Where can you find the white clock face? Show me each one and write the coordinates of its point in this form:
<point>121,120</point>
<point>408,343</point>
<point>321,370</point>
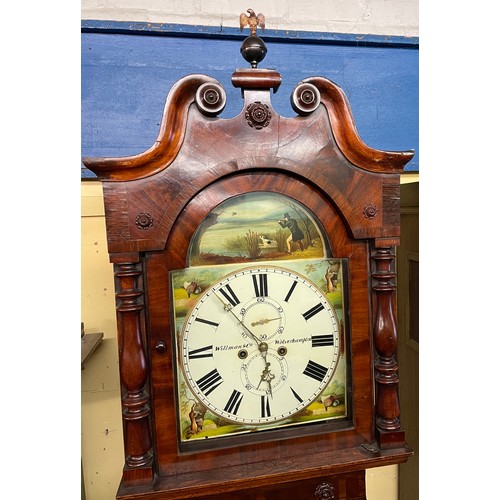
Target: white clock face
<point>260,345</point>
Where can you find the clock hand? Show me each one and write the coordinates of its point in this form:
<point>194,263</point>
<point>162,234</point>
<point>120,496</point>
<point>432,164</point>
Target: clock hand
<point>227,307</point>
<point>269,379</point>
<point>263,321</point>
<point>267,376</point>
<point>261,345</point>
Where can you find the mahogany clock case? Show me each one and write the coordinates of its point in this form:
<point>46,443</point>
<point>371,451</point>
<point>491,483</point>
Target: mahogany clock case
<point>246,183</point>
<point>324,437</point>
<point>154,204</point>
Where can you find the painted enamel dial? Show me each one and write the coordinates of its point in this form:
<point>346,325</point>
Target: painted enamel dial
<point>260,345</point>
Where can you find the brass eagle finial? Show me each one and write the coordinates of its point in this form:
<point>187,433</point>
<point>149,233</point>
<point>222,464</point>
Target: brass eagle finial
<point>253,21</point>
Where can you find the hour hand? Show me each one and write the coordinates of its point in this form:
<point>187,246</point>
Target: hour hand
<point>268,377</point>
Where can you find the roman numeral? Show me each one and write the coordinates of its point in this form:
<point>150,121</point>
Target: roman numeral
<point>292,288</point>
<point>209,382</point>
<point>315,371</point>
<point>297,397</point>
<point>265,408</point>
<point>234,402</point>
<point>207,322</point>
<point>314,310</point>
<point>227,291</point>
<point>202,352</point>
<point>322,340</point>
<point>260,285</point>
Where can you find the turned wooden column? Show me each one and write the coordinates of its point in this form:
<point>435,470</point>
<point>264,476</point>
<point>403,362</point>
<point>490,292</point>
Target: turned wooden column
<point>385,340</point>
<point>133,373</point>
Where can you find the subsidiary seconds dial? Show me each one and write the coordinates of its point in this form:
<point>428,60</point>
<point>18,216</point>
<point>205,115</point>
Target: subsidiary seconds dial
<point>260,345</point>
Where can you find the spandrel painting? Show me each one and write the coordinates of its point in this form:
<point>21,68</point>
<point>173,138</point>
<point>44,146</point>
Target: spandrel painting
<point>227,349</point>
<point>257,226</point>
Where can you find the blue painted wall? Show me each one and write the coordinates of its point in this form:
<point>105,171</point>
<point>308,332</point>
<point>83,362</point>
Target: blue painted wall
<point>126,77</point>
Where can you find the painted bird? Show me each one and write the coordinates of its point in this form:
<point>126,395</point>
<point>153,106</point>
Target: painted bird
<point>253,21</point>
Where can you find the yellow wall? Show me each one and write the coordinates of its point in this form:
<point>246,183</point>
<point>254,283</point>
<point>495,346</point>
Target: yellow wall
<point>102,449</point>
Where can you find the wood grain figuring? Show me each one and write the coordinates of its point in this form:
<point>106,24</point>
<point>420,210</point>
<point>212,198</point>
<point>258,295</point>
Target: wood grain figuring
<point>337,487</point>
<point>166,146</point>
<point>133,373</point>
<point>256,79</point>
<point>125,79</point>
<point>160,263</point>
<point>346,134</point>
<point>259,478</point>
<point>390,203</point>
<point>174,123</point>
<point>154,203</point>
<point>385,341</point>
<point>292,145</point>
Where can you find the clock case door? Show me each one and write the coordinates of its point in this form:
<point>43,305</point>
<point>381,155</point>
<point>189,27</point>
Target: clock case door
<point>154,203</point>
<point>312,262</point>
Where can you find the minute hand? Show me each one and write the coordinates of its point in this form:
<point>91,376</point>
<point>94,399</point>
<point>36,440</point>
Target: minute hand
<point>227,307</point>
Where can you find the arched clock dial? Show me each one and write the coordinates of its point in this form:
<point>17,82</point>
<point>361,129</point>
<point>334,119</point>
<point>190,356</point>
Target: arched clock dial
<point>260,345</point>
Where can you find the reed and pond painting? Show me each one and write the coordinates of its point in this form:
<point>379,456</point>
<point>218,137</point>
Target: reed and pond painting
<point>257,226</point>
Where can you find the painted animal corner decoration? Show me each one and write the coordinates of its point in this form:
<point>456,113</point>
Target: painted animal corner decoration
<point>263,229</point>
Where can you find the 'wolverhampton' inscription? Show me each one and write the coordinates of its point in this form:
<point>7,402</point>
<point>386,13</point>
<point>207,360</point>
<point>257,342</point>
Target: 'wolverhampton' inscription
<point>293,341</point>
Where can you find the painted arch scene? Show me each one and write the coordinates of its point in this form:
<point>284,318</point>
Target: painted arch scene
<point>257,226</point>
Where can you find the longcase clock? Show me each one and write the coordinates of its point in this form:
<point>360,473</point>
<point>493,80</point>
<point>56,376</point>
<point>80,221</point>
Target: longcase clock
<point>255,295</point>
